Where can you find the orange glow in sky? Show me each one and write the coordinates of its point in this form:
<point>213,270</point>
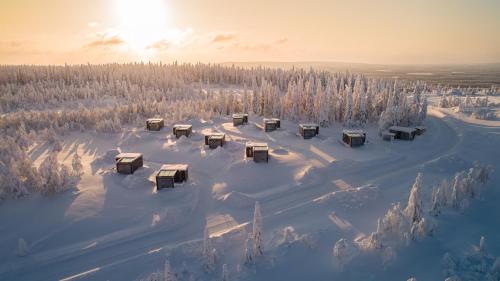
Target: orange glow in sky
<point>382,31</point>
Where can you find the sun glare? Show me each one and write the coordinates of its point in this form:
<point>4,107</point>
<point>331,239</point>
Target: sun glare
<point>142,22</point>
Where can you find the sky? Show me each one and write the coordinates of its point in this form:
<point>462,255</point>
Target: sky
<point>357,31</point>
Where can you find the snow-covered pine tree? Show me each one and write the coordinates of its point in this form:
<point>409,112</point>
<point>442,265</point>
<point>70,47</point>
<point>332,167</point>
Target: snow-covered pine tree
<point>168,275</point>
<point>225,272</point>
<point>22,247</point>
<point>76,164</point>
<point>249,249</point>
<point>414,209</point>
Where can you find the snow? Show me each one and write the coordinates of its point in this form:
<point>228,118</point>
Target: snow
<point>316,200</point>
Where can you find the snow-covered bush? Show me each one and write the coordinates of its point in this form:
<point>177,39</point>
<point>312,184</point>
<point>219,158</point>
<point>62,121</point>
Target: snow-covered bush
<point>401,226</point>
<point>478,264</point>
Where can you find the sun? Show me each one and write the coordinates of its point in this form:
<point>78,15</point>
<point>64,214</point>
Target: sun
<point>141,22</point>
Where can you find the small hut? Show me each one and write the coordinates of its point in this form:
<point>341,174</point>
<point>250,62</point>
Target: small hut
<point>240,119</point>
<point>182,130</point>
<point>420,130</point>
<point>271,124</point>
<point>154,124</point>
<point>128,163</point>
<point>353,138</point>
<point>169,174</point>
<point>308,131</point>
<point>403,133</point>
<point>214,140</point>
<point>388,136</point>
<point>261,154</point>
<point>258,151</point>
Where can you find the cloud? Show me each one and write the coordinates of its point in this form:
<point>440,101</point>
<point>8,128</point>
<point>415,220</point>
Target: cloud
<point>92,24</point>
<point>223,37</point>
<point>106,42</point>
<point>160,45</point>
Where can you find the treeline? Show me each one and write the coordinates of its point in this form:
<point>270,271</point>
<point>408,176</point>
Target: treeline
<point>41,102</point>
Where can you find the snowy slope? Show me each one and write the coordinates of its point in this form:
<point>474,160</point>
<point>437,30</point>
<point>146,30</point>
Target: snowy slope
<point>118,227</point>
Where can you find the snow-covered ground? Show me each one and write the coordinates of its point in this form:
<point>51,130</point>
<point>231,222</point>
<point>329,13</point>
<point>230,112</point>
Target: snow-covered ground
<point>118,227</point>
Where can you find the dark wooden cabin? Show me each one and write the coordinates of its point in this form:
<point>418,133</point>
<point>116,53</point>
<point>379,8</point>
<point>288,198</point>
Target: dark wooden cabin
<point>215,140</point>
<point>403,133</point>
<point>170,174</point>
<point>308,131</point>
<point>271,124</point>
<point>154,124</point>
<point>353,138</point>
<point>128,163</point>
<point>258,151</point>
<point>182,130</point>
<point>240,119</point>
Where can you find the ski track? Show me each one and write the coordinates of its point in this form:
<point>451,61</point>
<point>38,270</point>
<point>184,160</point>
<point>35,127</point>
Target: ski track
<point>78,263</point>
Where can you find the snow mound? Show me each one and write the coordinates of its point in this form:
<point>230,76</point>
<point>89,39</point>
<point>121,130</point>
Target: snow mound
<point>352,198</point>
<point>109,156</point>
<point>139,179</point>
<point>237,199</point>
<point>183,140</point>
<point>197,136</point>
<point>218,153</point>
<point>131,139</point>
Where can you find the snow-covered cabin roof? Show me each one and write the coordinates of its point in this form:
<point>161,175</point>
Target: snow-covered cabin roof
<point>257,144</point>
<point>420,127</point>
<point>271,120</point>
<point>239,115</point>
<point>153,120</point>
<point>174,167</point>
<point>309,126</point>
<point>167,173</point>
<point>354,132</point>
<point>128,155</point>
<point>182,126</point>
<point>402,129</point>
<point>216,136</point>
<point>260,148</point>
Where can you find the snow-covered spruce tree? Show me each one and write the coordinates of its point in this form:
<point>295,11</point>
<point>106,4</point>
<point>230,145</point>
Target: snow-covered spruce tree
<point>257,232</point>
<point>341,253</point>
<point>248,252</point>
<point>49,171</point>
<point>388,256</point>
<point>225,272</point>
<point>22,247</point>
<point>168,275</point>
<point>414,209</point>
<point>412,279</point>
<point>76,164</point>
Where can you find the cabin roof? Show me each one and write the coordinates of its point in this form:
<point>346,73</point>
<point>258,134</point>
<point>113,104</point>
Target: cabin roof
<point>420,127</point>
<point>260,148</point>
<point>271,120</point>
<point>183,126</point>
<point>256,144</point>
<point>127,159</point>
<point>308,126</point>
<point>239,115</point>
<point>218,136</point>
<point>155,119</point>
<point>128,155</point>
<point>174,167</point>
<point>402,129</point>
<point>167,173</point>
